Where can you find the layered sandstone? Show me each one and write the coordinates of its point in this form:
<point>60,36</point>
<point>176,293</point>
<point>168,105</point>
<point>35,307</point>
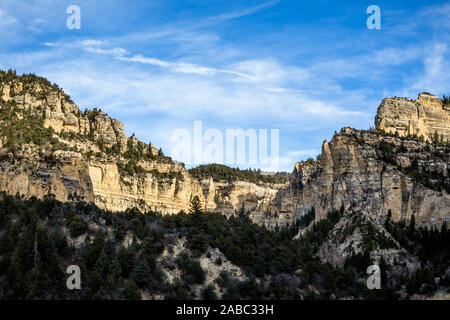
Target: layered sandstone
<point>94,161</point>
<point>351,173</point>
<point>423,117</point>
<point>231,197</point>
<point>86,169</point>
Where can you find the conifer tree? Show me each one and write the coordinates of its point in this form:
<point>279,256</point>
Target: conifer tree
<point>131,291</point>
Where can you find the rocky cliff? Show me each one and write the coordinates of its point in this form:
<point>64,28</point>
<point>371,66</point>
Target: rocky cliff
<point>372,172</point>
<point>425,117</point>
<point>49,147</point>
<point>397,169</point>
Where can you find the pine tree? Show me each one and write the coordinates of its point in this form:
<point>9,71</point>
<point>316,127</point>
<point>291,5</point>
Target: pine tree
<point>208,293</point>
<point>412,224</point>
<point>142,273</point>
<point>102,264</point>
<point>436,137</point>
<point>116,269</point>
<point>131,291</point>
<point>196,206</point>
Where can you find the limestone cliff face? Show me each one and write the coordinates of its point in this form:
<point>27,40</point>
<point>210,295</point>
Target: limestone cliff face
<point>86,156</point>
<point>388,170</point>
<point>229,197</point>
<point>156,190</point>
<point>352,172</point>
<point>96,162</point>
<point>421,117</point>
<point>73,179</point>
<point>69,180</point>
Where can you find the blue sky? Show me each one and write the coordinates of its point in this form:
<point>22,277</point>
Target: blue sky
<point>307,68</point>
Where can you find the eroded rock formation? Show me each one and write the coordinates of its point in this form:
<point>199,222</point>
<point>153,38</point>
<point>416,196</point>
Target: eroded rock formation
<point>423,117</point>
<point>89,158</point>
<point>397,169</point>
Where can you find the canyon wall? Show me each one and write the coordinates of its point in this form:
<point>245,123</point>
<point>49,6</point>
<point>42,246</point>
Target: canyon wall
<point>352,173</point>
<point>422,117</point>
<point>88,157</point>
<point>86,169</point>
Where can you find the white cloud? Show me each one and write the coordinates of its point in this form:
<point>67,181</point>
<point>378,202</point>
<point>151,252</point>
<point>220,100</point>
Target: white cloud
<point>116,51</point>
<point>50,44</point>
<point>6,19</point>
<point>435,77</point>
<point>396,56</point>
<point>92,42</point>
<point>240,13</point>
<point>182,67</point>
<point>129,89</point>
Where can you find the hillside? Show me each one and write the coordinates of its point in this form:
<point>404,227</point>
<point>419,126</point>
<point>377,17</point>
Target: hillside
<point>130,255</point>
<point>76,190</point>
<point>49,147</point>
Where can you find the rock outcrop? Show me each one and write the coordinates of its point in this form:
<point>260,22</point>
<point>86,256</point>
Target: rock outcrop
<point>231,197</point>
<point>423,117</point>
<point>398,168</point>
<point>352,172</point>
<point>89,157</point>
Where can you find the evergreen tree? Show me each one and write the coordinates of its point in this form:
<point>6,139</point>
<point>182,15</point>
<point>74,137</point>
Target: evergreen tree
<point>142,273</point>
<point>436,137</point>
<point>102,264</point>
<point>412,224</point>
<point>115,273</point>
<point>131,291</point>
<point>196,206</point>
<point>208,293</point>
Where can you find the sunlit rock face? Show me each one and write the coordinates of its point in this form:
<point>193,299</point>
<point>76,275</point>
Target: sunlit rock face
<point>422,117</point>
<point>74,174</point>
<point>352,174</point>
<point>90,161</point>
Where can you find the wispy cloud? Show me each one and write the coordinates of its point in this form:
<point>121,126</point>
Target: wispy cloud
<point>305,78</point>
<point>116,51</point>
<point>238,13</point>
<point>6,18</point>
<point>181,67</point>
<point>435,77</point>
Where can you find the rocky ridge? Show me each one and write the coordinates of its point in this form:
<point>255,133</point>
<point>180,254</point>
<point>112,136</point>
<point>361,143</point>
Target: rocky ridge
<point>423,117</point>
<point>86,156</point>
<point>372,172</point>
